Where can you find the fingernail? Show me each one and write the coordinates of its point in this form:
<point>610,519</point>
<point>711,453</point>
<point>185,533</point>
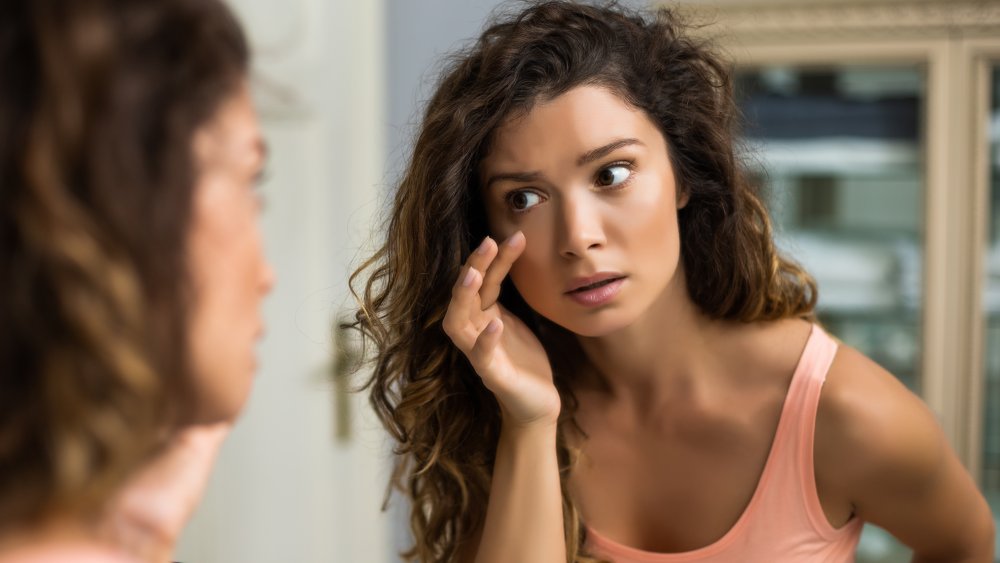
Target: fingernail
<point>482,246</point>
<point>513,238</point>
<point>469,276</point>
<point>493,326</point>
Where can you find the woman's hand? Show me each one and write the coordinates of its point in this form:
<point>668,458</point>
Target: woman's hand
<point>504,352</point>
<point>146,518</point>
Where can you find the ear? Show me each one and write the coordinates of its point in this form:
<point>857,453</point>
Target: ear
<point>682,198</point>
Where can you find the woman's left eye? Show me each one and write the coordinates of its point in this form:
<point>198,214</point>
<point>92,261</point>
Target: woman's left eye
<point>613,175</point>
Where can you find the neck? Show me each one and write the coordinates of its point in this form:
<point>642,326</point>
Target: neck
<point>661,355</point>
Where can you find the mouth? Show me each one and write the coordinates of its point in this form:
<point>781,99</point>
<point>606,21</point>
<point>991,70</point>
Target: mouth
<point>590,283</point>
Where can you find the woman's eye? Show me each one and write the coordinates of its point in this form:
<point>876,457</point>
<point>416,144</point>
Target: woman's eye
<point>523,200</point>
<point>613,175</point>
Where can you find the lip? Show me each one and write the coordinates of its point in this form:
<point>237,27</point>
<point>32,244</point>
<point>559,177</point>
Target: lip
<point>596,296</point>
<point>577,283</point>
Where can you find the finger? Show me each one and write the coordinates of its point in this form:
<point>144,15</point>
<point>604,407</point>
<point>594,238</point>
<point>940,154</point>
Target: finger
<point>458,319</point>
<point>479,259</point>
<point>483,255</point>
<point>509,252</point>
<point>482,351</point>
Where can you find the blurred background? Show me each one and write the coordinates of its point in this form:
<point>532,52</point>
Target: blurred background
<point>874,128</point>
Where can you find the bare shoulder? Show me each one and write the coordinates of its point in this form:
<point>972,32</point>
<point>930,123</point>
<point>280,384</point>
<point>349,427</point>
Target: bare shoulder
<point>879,448</point>
<point>769,349</point>
<point>870,428</point>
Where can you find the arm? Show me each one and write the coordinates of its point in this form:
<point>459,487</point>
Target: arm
<point>879,448</point>
<point>524,520</point>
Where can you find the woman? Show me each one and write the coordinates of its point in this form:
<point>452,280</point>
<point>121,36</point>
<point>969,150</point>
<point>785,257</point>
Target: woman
<point>588,347</point>
<point>133,269</point>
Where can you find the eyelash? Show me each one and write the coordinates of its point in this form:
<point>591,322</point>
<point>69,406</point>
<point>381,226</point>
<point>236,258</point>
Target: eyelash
<point>630,165</point>
<point>509,200</point>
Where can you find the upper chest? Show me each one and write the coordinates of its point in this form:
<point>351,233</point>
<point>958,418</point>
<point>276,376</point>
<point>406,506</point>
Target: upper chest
<point>704,465</point>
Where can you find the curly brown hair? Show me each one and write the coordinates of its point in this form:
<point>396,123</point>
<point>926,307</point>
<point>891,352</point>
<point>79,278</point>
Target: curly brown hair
<point>445,422</point>
<point>99,101</point>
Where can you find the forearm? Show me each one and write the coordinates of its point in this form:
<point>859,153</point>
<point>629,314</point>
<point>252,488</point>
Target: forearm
<point>524,520</point>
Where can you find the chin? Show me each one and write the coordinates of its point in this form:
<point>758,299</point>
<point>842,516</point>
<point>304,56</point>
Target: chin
<point>219,407</point>
<point>595,324</point>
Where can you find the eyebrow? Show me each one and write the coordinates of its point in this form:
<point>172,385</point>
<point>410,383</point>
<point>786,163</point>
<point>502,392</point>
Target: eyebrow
<point>585,158</point>
<point>601,152</point>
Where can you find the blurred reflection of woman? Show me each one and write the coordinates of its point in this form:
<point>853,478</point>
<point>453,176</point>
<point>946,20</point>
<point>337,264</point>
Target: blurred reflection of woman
<point>132,269</point>
<point>588,347</point>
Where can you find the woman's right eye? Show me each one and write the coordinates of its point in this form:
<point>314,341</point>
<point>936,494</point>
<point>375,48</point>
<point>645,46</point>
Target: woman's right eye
<point>523,200</point>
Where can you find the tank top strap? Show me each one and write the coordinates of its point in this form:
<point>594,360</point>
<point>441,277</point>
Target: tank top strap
<point>798,413</point>
<point>800,428</point>
<point>807,384</point>
<point>814,366</point>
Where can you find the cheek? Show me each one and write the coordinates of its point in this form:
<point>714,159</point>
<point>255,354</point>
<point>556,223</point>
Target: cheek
<point>498,223</point>
<point>651,223</point>
<point>223,319</point>
<point>227,248</point>
<point>533,273</point>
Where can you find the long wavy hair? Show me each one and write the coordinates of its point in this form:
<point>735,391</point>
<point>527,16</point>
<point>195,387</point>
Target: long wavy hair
<point>445,422</point>
<point>99,102</point>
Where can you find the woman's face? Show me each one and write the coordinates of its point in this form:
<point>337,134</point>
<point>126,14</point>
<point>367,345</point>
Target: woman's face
<point>229,272</point>
<point>588,180</point>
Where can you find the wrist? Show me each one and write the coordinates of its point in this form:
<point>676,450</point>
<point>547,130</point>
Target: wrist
<point>536,422</point>
<point>537,431</point>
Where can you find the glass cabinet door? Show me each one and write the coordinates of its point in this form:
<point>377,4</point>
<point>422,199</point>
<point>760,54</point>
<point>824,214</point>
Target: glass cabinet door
<point>838,151</point>
<point>990,470</point>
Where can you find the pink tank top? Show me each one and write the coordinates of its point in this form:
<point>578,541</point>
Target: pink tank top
<point>784,521</point>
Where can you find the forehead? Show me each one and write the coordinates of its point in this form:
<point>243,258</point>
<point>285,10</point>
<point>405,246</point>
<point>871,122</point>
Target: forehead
<point>572,123</point>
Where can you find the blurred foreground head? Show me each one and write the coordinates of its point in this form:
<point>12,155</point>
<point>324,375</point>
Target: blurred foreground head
<point>102,103</point>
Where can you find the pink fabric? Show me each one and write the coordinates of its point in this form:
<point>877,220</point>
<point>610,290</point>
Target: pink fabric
<point>784,521</point>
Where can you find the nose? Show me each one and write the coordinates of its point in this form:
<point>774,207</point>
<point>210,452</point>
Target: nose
<point>581,229</point>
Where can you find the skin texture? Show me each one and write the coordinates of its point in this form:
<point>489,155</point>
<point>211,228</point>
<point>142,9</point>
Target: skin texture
<point>707,393</point>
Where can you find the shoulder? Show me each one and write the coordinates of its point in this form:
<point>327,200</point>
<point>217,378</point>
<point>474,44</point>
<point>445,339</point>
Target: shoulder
<point>879,448</point>
<point>769,349</point>
<point>873,432</point>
